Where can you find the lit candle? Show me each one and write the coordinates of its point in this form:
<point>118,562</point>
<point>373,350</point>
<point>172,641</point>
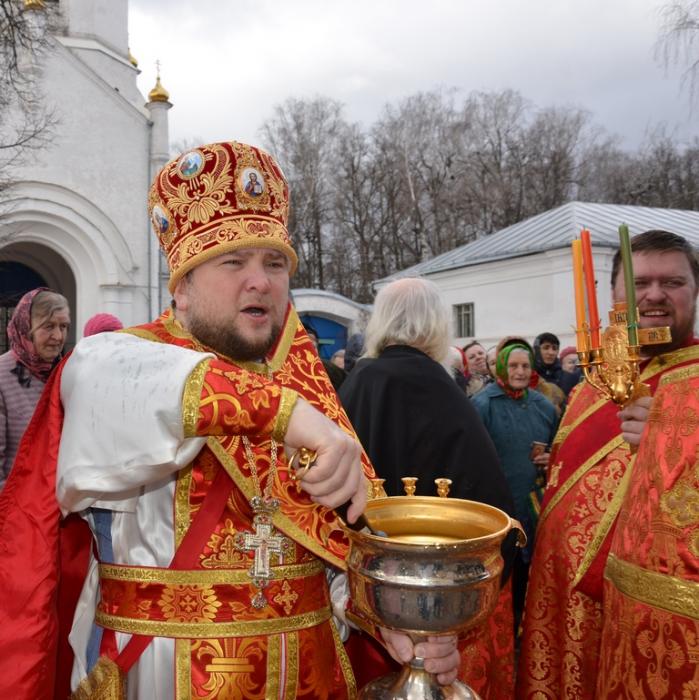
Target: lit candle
<point>629,284</point>
<point>578,284</point>
<point>589,273</point>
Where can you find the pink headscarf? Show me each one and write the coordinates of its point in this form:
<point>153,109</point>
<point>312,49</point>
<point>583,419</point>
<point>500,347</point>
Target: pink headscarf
<point>19,330</point>
<point>101,323</point>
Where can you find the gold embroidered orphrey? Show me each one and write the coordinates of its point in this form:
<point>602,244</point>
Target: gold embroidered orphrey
<point>263,542</point>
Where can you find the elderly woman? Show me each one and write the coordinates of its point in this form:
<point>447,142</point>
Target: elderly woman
<point>413,420</point>
<point>522,423</point>
<point>409,414</point>
<point>37,332</point>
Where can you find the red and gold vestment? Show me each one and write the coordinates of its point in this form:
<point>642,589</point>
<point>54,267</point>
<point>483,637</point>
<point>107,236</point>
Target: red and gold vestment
<point>650,634</point>
<point>588,475</point>
<point>224,647</point>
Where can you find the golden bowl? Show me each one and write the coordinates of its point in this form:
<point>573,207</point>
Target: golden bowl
<point>437,570</point>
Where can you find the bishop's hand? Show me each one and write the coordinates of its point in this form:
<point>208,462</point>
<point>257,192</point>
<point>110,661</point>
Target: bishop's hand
<point>336,476</point>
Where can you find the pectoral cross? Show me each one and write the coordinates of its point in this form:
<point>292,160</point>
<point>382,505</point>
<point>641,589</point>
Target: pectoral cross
<point>263,542</point>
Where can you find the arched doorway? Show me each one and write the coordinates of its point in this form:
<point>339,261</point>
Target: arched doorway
<point>15,280</point>
<point>25,266</point>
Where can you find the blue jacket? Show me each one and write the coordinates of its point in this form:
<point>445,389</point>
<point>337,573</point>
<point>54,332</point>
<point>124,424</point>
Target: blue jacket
<point>513,424</point>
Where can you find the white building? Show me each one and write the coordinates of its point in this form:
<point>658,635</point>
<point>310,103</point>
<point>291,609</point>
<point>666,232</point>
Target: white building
<point>77,218</point>
<point>334,317</point>
<point>519,281</point>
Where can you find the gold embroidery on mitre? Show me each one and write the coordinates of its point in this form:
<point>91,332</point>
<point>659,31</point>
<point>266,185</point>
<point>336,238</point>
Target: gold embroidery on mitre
<point>198,200</point>
<point>246,163</point>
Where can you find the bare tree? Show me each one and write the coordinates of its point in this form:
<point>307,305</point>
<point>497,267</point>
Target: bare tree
<point>678,40</point>
<point>304,135</point>
<point>25,118</point>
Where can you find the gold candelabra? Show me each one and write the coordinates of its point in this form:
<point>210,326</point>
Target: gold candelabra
<point>613,368</point>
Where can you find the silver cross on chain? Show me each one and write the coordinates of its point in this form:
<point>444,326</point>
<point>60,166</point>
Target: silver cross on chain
<point>263,542</point>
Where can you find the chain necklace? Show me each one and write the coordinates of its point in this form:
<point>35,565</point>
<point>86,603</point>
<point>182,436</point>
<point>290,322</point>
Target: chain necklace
<point>263,542</point>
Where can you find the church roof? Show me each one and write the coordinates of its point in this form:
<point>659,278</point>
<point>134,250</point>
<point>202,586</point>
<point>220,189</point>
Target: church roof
<point>556,228</point>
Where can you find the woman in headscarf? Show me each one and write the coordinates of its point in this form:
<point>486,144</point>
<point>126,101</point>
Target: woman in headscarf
<point>37,333</point>
<point>517,417</point>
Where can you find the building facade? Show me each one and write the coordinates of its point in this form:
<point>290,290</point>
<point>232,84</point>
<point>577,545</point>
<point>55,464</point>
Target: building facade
<point>76,218</point>
<point>519,281</point>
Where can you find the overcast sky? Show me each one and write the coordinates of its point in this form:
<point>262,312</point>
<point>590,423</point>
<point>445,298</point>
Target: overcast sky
<point>227,63</point>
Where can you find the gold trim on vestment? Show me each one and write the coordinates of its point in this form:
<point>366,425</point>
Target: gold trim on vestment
<point>345,664</point>
<point>212,629</point>
<point>203,577</point>
<point>191,398</point>
<point>605,524</point>
<point>280,521</point>
<point>292,663</point>
<point>143,334</point>
<point>286,406</point>
<point>182,489</point>
<point>578,473</point>
<point>273,671</point>
<point>104,682</point>
<point>679,375</point>
<point>183,669</point>
<point>657,590</point>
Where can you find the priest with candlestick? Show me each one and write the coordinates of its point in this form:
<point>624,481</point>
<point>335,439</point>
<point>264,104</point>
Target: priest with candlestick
<point>657,275</point>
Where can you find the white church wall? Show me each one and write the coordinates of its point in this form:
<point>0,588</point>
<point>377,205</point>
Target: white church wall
<point>113,68</point>
<point>99,161</point>
<point>106,20</point>
<point>523,296</point>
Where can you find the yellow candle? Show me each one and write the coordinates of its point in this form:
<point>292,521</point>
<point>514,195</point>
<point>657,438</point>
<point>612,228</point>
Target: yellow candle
<point>579,289</point>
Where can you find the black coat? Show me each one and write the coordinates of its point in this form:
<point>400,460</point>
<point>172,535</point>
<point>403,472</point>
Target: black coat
<point>413,420</point>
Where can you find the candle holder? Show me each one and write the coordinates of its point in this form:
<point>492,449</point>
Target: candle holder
<point>614,367</point>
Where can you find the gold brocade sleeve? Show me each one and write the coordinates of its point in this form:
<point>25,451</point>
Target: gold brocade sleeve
<point>222,399</point>
<point>286,406</point>
<point>191,398</point>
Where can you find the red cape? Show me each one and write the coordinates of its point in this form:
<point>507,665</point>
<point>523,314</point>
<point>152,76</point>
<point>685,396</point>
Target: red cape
<point>33,543</point>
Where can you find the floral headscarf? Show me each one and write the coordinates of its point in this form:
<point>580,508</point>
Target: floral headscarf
<point>503,358</point>
<point>19,334</point>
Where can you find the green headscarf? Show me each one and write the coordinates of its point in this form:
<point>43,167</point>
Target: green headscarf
<point>501,361</point>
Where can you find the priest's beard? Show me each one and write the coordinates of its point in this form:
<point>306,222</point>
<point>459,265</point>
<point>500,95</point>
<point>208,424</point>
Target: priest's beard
<point>681,331</point>
<point>225,339</point>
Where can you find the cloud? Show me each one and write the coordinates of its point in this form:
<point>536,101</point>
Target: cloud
<point>227,64</point>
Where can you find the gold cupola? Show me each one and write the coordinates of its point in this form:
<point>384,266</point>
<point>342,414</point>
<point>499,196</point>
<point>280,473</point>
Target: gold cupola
<point>34,5</point>
<point>159,93</point>
<point>132,60</point>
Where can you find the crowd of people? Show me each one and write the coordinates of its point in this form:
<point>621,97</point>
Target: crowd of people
<point>154,534</point>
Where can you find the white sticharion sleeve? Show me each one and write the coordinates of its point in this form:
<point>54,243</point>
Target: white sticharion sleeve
<point>123,426</point>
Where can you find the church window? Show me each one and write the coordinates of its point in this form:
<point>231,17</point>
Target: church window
<point>464,321</point>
